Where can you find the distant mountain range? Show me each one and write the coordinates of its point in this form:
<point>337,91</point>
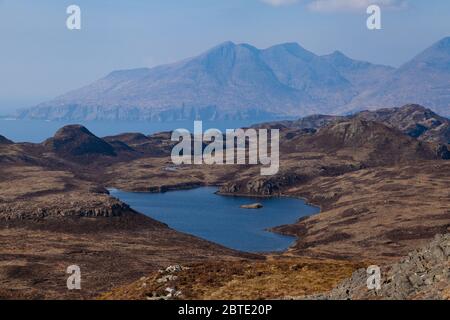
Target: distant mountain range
<point>239,81</point>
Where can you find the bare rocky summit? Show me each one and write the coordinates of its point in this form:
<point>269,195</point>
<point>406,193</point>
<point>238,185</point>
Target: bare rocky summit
<point>76,140</point>
<point>414,120</point>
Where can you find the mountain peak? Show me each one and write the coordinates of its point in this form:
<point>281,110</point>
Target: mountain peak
<point>124,74</point>
<point>443,43</point>
<point>414,108</point>
<point>291,45</point>
<point>437,55</point>
<point>4,140</point>
<point>237,81</point>
<point>338,54</point>
<point>360,132</point>
<point>293,48</point>
<point>76,140</point>
<point>224,45</point>
<point>227,44</point>
<point>414,120</point>
<point>338,57</point>
<point>71,130</point>
<point>227,48</point>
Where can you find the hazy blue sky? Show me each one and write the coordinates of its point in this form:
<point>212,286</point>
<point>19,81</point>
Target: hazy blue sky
<point>40,58</point>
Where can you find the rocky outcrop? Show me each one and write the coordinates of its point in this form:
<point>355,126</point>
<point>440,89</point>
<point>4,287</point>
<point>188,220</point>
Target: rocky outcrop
<point>86,206</point>
<point>424,274</point>
<point>157,145</point>
<point>262,186</point>
<point>414,120</point>
<point>381,144</point>
<point>128,138</point>
<point>308,123</point>
<point>423,80</point>
<point>356,143</point>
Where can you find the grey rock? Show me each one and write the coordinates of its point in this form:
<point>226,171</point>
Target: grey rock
<point>424,274</point>
<point>167,278</point>
<point>174,268</point>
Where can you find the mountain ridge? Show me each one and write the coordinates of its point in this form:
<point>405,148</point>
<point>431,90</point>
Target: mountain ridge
<point>424,80</point>
<point>240,81</point>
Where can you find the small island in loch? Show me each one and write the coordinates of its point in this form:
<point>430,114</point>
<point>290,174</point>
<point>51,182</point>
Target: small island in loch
<point>252,206</point>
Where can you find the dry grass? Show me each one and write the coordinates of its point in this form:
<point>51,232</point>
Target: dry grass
<point>276,278</point>
<point>378,214</point>
<point>33,262</point>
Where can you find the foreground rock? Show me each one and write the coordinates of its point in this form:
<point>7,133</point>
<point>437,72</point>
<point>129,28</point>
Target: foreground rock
<point>424,274</point>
